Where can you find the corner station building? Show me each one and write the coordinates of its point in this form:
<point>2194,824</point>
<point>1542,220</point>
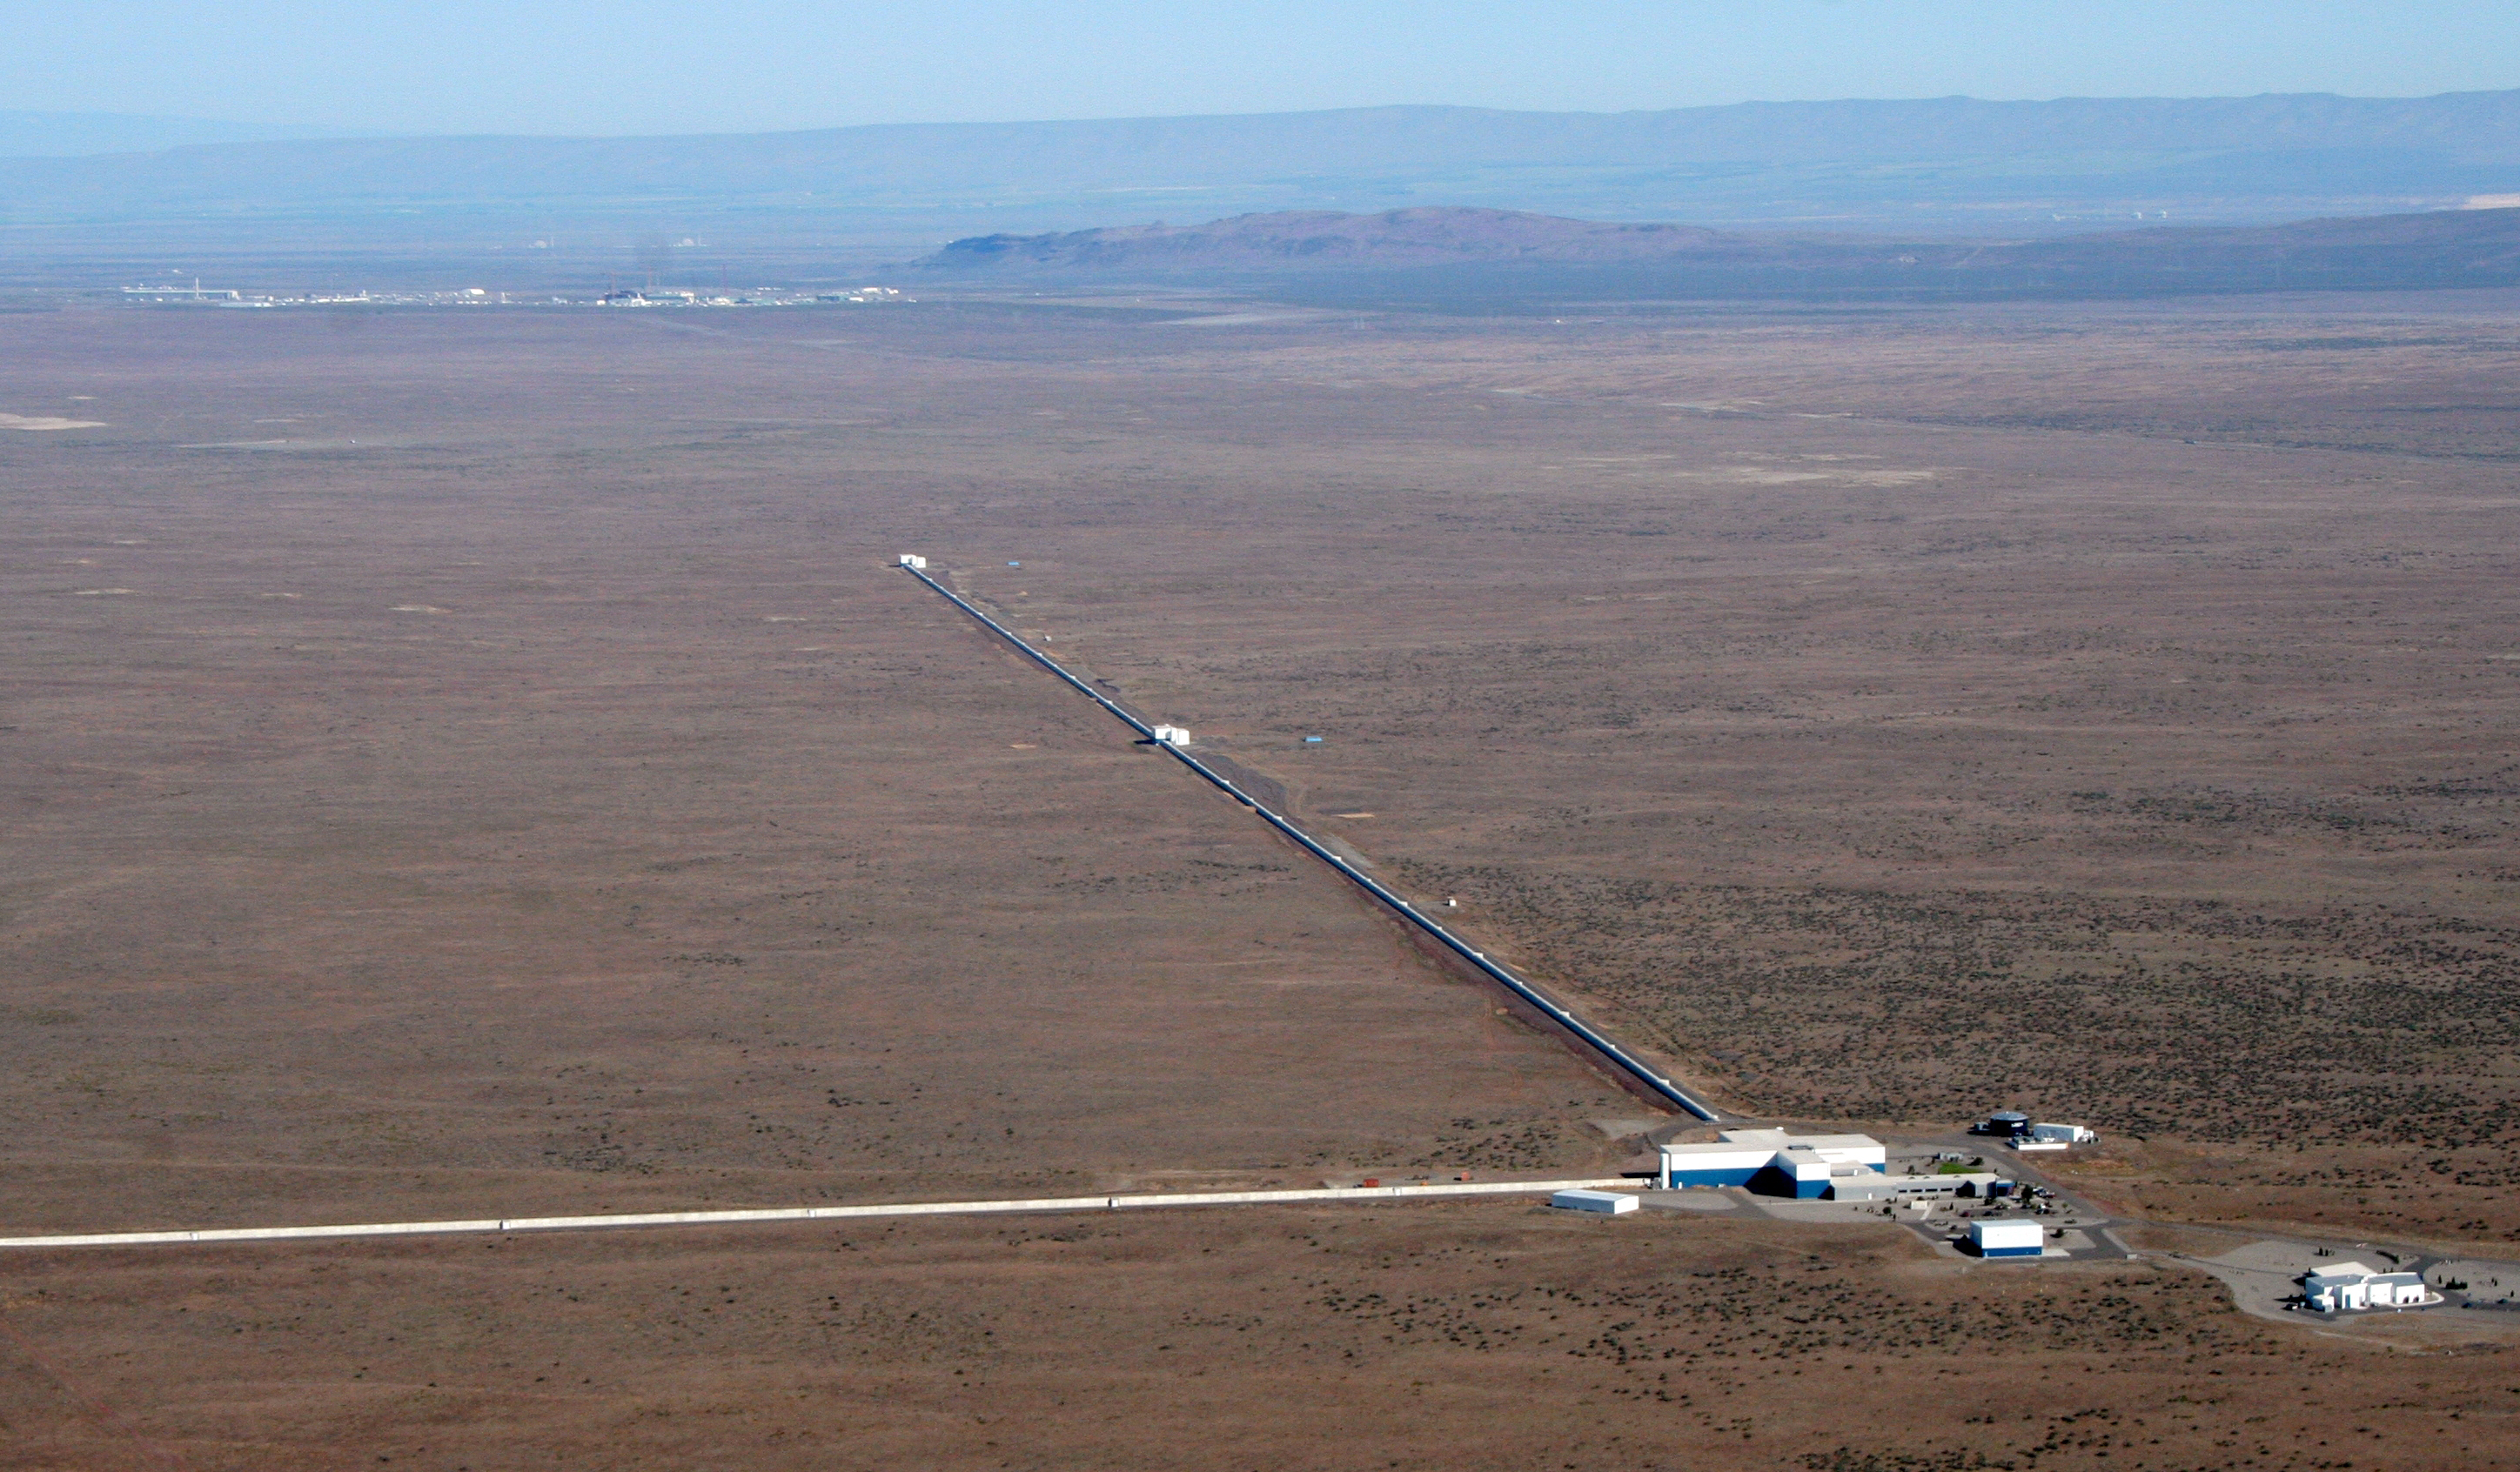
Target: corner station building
<point>1772,1161</point>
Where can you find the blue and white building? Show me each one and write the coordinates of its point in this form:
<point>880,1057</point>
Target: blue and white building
<point>1772,1161</point>
<point>2007,1239</point>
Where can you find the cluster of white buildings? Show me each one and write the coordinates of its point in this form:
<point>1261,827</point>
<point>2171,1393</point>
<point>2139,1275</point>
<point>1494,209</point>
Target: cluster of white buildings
<point>638,296</point>
<point>2020,1132</point>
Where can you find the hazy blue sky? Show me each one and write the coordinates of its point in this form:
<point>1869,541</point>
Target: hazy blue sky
<point>640,66</point>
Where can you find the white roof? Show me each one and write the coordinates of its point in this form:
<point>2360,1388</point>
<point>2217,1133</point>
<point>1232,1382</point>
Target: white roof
<point>1727,1151</point>
<point>1774,1139</point>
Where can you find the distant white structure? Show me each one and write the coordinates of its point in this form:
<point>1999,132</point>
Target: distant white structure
<point>194,292</point>
<point>912,560</point>
<point>2068,1135</point>
<point>2008,1239</point>
<point>1173,736</point>
<point>2026,1143</point>
<point>1607,1203</point>
<point>2351,1286</point>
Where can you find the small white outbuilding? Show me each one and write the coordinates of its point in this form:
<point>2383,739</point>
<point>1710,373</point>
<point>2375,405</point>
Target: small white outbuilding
<point>1173,736</point>
<point>1607,1203</point>
<point>914,560</point>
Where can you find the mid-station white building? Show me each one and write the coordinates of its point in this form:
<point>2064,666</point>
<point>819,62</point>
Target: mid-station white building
<point>1772,1161</point>
<point>2351,1286</point>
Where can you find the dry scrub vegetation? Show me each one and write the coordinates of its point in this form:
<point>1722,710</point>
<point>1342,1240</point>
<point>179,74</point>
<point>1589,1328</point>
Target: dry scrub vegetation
<point>2296,1036</point>
<point>1890,711</point>
<point>1491,1336</point>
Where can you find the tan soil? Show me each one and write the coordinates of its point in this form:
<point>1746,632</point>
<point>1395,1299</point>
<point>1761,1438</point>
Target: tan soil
<point>591,894</point>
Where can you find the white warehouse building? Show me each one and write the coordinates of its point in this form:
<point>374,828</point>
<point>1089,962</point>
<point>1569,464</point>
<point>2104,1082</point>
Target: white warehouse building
<point>1606,1203</point>
<point>2350,1286</point>
<point>1772,1161</point>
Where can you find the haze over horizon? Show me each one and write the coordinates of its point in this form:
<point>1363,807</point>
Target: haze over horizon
<point>776,133</point>
<point>669,66</point>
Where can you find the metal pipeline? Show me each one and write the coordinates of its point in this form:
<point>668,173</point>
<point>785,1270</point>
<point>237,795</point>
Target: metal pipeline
<point>1617,1056</point>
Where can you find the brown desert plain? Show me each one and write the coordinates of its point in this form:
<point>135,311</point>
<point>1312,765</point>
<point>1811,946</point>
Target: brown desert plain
<point>481,762</point>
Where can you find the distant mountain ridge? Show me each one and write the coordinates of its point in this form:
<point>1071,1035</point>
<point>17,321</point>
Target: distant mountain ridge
<point>1948,165</point>
<point>70,135</point>
<point>1445,253</point>
<point>1426,236</point>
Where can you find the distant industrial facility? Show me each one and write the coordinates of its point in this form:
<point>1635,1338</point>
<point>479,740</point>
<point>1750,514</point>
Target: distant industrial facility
<point>1773,1162</point>
<point>194,292</point>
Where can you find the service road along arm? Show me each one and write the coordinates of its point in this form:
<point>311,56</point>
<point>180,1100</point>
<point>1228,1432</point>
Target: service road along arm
<point>1619,1057</point>
<point>215,1235</point>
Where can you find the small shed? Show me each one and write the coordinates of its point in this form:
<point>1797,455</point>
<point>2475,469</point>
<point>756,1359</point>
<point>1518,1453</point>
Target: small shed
<point>1173,736</point>
<point>1606,1203</point>
<point>912,561</point>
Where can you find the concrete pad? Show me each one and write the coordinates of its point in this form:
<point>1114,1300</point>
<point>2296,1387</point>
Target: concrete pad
<point>2261,1275</point>
<point>1621,1129</point>
<point>2487,1281</point>
<point>1688,1200</point>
